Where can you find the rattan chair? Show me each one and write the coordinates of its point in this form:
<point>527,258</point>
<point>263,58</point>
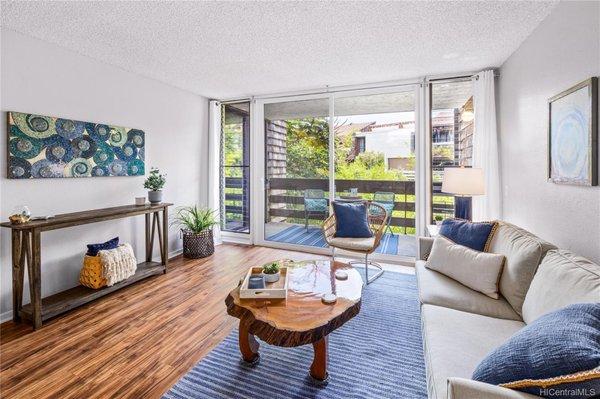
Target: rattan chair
<point>377,221</point>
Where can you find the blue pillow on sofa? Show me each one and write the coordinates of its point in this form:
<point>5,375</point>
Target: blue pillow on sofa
<point>351,220</point>
<point>560,350</point>
<point>474,235</point>
<point>94,248</point>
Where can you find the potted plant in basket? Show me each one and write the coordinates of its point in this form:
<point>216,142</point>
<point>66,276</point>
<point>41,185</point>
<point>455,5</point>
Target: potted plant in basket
<point>196,228</point>
<point>154,183</point>
<point>438,219</point>
<point>271,272</point>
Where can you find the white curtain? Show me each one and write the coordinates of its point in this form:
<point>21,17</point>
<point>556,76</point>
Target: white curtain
<point>214,151</point>
<point>485,148</point>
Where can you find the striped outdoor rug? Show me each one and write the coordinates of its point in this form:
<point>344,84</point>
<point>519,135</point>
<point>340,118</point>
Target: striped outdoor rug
<point>378,354</point>
<point>314,237</point>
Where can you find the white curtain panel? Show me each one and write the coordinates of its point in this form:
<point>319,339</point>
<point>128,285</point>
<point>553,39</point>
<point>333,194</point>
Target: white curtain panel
<point>214,150</point>
<point>485,148</point>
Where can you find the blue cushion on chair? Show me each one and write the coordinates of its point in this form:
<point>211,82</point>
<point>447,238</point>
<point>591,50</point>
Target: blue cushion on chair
<point>94,248</point>
<point>562,343</point>
<point>351,220</point>
<point>470,234</point>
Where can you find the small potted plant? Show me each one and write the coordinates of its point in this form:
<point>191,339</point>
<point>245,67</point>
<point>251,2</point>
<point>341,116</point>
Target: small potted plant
<point>154,183</point>
<point>271,272</point>
<point>196,228</point>
<point>438,219</point>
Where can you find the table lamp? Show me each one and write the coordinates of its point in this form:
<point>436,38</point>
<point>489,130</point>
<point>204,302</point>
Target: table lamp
<point>463,183</point>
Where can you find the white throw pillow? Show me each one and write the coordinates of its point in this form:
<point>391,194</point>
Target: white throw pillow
<point>479,271</point>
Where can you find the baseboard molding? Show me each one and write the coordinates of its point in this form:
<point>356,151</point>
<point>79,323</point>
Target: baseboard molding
<point>6,316</point>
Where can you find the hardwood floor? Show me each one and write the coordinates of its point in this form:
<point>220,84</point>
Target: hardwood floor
<point>136,342</point>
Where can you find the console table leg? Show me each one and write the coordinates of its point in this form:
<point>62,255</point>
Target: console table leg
<point>248,345</point>
<point>18,272</point>
<point>148,238</point>
<point>160,237</point>
<point>165,242</point>
<point>318,368</point>
<point>35,277</point>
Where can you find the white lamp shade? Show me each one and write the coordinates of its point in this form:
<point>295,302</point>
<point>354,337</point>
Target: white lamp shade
<point>463,181</point>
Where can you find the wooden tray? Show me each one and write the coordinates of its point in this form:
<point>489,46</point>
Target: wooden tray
<point>276,290</point>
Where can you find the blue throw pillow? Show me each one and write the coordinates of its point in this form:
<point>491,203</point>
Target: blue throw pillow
<point>94,248</point>
<point>474,235</point>
<point>562,343</point>
<point>351,220</point>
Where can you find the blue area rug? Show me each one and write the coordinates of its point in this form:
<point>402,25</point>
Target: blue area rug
<point>313,236</point>
<point>377,354</point>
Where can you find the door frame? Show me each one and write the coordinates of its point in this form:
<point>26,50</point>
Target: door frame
<point>258,154</point>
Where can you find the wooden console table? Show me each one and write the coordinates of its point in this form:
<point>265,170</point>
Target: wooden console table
<point>27,248</point>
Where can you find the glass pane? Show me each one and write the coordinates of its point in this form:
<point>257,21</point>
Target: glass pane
<point>297,171</point>
<point>235,167</point>
<point>375,160</point>
<point>451,137</point>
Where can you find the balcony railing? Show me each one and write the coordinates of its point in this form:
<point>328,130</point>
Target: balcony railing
<point>286,199</point>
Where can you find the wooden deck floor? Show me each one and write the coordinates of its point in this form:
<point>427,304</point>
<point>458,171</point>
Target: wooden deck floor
<point>136,342</point>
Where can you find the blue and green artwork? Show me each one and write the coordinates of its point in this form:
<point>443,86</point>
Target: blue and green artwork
<point>47,147</point>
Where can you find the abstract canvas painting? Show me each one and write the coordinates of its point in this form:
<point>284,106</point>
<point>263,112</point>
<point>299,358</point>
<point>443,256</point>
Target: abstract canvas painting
<point>47,147</point>
<point>573,135</point>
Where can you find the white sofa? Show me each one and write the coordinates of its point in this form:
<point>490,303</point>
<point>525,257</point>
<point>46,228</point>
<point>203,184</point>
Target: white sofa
<point>461,326</point>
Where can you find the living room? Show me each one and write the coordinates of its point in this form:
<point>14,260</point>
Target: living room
<point>300,199</point>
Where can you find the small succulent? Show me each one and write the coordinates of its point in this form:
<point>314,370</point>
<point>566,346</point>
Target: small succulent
<point>271,268</point>
<point>438,218</point>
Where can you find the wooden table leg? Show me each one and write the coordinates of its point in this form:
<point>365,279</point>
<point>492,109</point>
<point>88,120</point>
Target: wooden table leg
<point>18,271</point>
<point>148,238</point>
<point>165,243</point>
<point>35,279</point>
<point>318,368</point>
<point>248,345</point>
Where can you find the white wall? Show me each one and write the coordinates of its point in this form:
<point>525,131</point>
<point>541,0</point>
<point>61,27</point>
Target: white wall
<point>43,78</point>
<point>391,141</point>
<point>562,51</point>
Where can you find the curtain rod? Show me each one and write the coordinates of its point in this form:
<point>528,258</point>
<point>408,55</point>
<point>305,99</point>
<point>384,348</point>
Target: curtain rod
<point>367,86</point>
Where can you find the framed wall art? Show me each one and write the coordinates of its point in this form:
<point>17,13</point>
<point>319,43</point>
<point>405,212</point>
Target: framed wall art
<point>48,147</point>
<point>573,135</point>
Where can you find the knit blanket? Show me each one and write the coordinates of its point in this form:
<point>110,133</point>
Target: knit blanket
<point>118,264</point>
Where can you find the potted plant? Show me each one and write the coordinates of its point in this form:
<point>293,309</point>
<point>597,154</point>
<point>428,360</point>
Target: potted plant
<point>271,272</point>
<point>154,183</point>
<point>196,228</point>
<point>438,219</point>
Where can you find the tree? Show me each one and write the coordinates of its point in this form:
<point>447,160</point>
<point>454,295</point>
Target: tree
<point>307,148</point>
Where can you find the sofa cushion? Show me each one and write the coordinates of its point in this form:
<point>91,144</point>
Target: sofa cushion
<point>523,252</point>
<point>463,388</point>
<point>455,342</point>
<point>562,343</point>
<point>440,290</point>
<point>477,270</point>
<point>562,279</point>
<point>474,235</point>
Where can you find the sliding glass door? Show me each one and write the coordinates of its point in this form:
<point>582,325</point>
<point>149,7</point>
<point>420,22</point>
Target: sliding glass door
<point>375,154</point>
<point>297,155</point>
<point>235,167</point>
<point>345,146</point>
<point>452,128</point>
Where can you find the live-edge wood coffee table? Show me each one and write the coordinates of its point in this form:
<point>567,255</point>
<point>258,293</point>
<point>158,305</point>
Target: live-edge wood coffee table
<point>301,319</point>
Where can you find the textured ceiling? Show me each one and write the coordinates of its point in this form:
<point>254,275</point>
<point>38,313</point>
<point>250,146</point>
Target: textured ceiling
<point>230,49</point>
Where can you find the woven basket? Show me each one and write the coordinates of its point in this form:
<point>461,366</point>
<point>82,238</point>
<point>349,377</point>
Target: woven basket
<point>91,273</point>
<point>198,245</point>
